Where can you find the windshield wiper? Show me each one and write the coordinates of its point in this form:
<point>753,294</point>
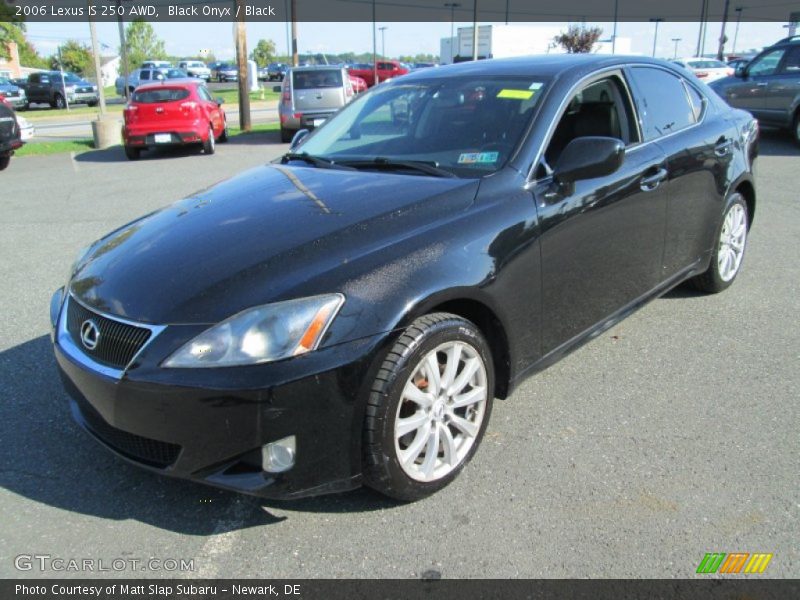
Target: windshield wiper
<point>388,164</point>
<point>317,161</point>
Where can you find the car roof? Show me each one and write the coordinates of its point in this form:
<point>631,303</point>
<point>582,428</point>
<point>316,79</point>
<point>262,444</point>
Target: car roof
<point>788,41</point>
<point>177,82</point>
<point>543,65</point>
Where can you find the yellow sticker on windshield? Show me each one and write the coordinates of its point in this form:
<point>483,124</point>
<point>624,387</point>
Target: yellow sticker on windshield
<point>516,94</point>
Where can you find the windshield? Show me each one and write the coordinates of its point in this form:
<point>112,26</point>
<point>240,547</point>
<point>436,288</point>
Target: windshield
<point>176,74</point>
<point>468,126</point>
<point>68,77</point>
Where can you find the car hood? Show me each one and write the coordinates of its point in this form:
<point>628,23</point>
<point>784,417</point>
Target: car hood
<point>272,233</point>
<point>5,87</point>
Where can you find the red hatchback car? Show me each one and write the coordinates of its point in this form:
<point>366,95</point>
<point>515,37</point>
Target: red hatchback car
<point>173,113</point>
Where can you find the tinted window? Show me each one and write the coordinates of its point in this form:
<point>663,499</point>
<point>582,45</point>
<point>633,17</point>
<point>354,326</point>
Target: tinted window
<point>663,104</point>
<point>792,63</point>
<point>766,64</point>
<point>160,95</point>
<point>308,80</point>
<point>144,75</point>
<point>33,78</point>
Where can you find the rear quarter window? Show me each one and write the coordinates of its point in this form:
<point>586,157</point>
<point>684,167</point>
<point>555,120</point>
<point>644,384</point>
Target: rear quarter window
<point>160,95</point>
<point>663,103</point>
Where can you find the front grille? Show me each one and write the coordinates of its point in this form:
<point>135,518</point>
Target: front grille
<point>136,447</point>
<point>117,343</point>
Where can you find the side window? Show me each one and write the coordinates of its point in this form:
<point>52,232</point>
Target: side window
<point>766,64</point>
<point>33,78</point>
<point>600,109</point>
<point>697,101</point>
<point>204,94</point>
<point>663,104</point>
<point>792,63</point>
<point>144,75</point>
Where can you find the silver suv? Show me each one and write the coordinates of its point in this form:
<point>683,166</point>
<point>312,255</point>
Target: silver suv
<point>309,95</point>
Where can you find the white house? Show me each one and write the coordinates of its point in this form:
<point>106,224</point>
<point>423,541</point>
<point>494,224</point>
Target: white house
<point>109,69</point>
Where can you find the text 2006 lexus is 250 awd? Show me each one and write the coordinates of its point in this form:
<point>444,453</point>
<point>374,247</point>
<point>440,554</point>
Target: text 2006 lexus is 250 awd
<point>347,315</point>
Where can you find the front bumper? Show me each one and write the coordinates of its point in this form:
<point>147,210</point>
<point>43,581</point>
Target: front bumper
<point>209,425</point>
<point>81,98</point>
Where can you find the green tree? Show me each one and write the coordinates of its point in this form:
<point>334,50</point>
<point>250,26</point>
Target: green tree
<point>11,31</point>
<point>264,52</point>
<point>578,40</point>
<point>143,44</point>
<point>75,57</point>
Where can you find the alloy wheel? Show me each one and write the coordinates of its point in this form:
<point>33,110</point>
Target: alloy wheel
<point>732,242</point>
<point>440,412</point>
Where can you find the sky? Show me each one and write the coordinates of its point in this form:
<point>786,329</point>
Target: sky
<point>186,39</point>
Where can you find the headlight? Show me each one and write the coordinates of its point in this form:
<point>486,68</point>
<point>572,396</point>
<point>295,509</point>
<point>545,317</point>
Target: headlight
<point>261,334</point>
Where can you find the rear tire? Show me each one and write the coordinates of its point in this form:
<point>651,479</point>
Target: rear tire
<point>210,145</point>
<point>796,128</point>
<point>59,102</point>
<point>286,135</point>
<point>4,162</point>
<point>428,408</point>
<point>728,254</point>
<point>132,153</point>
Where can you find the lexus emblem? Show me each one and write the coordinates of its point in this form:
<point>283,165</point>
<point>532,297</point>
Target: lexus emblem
<point>90,334</point>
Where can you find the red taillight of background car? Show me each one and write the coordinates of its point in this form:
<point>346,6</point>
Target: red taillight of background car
<point>701,74</point>
<point>5,102</point>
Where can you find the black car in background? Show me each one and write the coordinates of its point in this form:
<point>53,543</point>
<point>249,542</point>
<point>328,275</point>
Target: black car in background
<point>276,71</point>
<point>10,135</point>
<point>57,89</point>
<point>347,314</point>
<point>768,86</point>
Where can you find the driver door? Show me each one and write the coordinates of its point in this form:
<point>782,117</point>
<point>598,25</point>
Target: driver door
<point>602,241</point>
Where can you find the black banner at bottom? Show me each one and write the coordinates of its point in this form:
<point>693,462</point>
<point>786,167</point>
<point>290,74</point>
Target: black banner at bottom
<point>383,589</point>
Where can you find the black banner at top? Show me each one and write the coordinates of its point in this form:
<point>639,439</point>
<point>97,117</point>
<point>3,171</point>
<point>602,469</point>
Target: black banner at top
<point>485,11</point>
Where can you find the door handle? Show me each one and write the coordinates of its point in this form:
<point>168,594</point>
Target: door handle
<point>651,182</point>
<point>723,147</point>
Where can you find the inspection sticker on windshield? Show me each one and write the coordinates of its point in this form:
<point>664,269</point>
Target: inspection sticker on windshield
<point>516,94</point>
<point>535,86</point>
<point>471,158</point>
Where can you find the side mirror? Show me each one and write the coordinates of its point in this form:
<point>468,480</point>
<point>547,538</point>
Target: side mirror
<point>220,101</point>
<point>276,89</point>
<point>587,158</point>
<point>298,137</point>
<point>741,71</point>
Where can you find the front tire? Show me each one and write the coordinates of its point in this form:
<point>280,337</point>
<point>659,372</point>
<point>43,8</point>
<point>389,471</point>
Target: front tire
<point>796,128</point>
<point>59,102</point>
<point>428,407</point>
<point>224,136</point>
<point>728,254</point>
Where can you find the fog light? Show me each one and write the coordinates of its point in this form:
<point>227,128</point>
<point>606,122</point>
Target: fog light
<point>277,457</point>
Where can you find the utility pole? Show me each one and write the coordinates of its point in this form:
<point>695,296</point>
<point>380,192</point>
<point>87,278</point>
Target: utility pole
<point>288,33</point>
<point>383,41</point>
<point>739,10</point>
<point>475,30</point>
<point>656,20</point>
<point>295,58</point>
<point>241,61</point>
<point>97,66</point>
<point>722,38</point>
<point>614,33</point>
<point>676,40</point>
<point>123,48</point>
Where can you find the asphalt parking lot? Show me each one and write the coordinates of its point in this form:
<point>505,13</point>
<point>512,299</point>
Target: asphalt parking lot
<point>671,435</point>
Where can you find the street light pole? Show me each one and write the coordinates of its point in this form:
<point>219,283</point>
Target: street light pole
<point>656,20</point>
<point>722,37</point>
<point>475,30</point>
<point>452,6</point>
<point>374,48</point>
<point>676,40</point>
<point>383,41</point>
<point>739,10</point>
<point>123,49</point>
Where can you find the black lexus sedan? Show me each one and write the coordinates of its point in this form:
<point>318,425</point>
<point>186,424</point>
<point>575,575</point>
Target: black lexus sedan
<point>347,314</point>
